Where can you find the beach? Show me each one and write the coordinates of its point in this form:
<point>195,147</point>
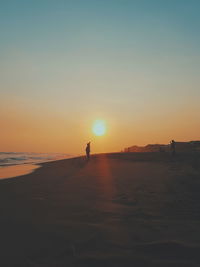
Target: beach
<point>117,209</point>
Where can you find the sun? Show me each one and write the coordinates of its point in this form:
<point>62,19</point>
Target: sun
<point>99,127</point>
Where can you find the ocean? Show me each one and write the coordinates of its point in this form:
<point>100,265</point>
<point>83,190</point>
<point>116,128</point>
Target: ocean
<point>13,164</point>
<point>20,158</point>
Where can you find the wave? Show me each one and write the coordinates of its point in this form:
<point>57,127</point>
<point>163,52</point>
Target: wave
<point>18,158</point>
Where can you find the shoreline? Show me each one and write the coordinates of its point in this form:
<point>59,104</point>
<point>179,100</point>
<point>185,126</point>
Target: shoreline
<point>26,170</point>
<point>17,170</point>
<point>14,171</point>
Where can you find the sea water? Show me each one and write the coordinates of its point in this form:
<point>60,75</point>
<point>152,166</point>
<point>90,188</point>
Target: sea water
<point>13,164</point>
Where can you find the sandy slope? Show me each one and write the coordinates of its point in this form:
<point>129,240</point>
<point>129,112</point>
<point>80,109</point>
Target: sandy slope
<point>116,210</point>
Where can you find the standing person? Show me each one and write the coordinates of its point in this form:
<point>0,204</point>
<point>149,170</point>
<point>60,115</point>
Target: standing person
<point>173,147</point>
<point>87,150</point>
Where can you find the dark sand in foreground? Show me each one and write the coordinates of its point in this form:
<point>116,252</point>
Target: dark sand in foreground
<point>116,210</point>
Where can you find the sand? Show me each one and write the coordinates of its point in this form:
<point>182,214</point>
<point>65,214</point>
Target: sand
<point>16,170</point>
<point>135,209</point>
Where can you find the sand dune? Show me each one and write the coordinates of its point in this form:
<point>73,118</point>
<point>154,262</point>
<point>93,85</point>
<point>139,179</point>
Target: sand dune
<point>131,209</point>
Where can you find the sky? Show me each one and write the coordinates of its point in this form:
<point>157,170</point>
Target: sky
<point>65,63</point>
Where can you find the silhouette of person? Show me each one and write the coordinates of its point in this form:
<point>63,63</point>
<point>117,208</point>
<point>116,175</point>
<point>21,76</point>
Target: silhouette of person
<point>87,150</point>
<point>173,147</point>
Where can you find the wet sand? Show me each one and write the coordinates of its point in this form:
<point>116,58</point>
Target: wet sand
<point>16,170</point>
<point>135,209</point>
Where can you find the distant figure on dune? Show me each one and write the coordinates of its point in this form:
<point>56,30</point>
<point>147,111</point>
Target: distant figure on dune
<point>173,147</point>
<point>87,150</point>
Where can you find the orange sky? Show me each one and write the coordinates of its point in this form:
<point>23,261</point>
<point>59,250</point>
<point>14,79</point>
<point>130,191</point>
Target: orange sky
<point>26,128</point>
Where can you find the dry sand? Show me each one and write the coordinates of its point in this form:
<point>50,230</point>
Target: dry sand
<point>115,210</point>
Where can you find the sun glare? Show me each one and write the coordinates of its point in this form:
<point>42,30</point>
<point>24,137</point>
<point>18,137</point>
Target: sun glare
<point>99,127</point>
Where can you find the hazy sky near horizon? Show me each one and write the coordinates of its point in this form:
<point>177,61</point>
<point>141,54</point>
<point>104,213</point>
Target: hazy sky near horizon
<point>63,64</point>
